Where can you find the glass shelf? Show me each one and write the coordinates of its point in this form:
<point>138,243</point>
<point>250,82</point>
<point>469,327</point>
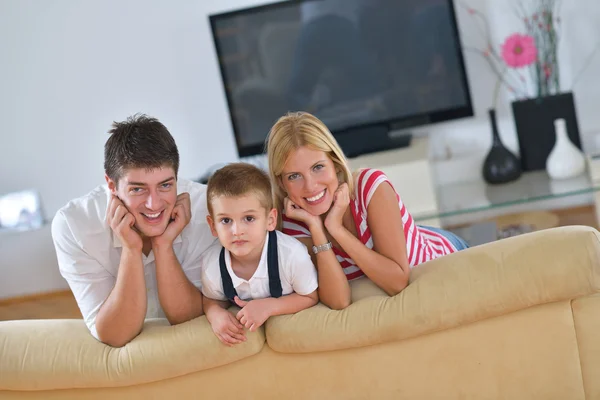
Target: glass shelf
<point>469,197</point>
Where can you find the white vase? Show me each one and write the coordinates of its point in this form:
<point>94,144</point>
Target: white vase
<point>565,159</point>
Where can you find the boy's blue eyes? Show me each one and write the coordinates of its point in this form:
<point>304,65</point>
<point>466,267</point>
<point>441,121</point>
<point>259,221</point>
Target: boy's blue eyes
<point>226,221</point>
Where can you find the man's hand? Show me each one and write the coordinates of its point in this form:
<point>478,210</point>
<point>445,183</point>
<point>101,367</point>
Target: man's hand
<point>341,200</point>
<point>254,313</point>
<point>227,328</point>
<point>180,217</point>
<point>121,221</point>
<point>297,213</point>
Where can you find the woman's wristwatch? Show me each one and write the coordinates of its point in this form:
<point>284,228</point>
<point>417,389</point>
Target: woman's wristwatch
<point>322,247</point>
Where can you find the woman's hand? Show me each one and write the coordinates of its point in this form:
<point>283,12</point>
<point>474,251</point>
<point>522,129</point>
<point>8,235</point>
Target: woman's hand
<point>297,213</point>
<point>341,200</point>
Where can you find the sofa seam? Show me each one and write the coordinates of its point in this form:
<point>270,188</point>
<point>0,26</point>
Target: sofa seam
<point>578,348</point>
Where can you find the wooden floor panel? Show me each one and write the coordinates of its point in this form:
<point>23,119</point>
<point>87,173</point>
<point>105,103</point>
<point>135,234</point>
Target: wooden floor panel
<point>46,306</point>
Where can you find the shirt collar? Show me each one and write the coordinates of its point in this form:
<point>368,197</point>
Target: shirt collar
<point>261,271</point>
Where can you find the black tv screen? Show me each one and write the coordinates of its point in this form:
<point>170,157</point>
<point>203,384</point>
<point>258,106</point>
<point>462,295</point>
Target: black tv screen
<point>352,63</point>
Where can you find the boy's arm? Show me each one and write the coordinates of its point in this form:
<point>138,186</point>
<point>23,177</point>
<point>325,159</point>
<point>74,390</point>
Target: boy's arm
<point>254,313</point>
<point>228,329</point>
<point>292,303</point>
<point>213,307</point>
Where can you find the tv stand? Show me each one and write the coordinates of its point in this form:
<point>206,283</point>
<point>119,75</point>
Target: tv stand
<point>358,141</point>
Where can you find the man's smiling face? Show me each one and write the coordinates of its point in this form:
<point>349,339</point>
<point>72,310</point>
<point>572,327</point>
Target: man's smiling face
<point>149,195</point>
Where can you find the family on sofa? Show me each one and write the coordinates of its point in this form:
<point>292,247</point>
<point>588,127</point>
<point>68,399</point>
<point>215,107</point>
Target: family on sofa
<point>143,245</point>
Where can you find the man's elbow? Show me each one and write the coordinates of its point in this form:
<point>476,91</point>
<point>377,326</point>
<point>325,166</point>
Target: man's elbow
<point>116,340</point>
<point>180,318</point>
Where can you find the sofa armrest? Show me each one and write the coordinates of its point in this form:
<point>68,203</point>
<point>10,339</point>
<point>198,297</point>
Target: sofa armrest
<point>475,284</point>
<point>58,354</point>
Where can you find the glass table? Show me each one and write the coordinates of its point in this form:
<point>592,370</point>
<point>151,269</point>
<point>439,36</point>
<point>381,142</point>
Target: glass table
<point>470,197</point>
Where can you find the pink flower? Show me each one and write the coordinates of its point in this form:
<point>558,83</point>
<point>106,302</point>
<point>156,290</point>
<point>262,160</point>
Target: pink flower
<point>519,51</point>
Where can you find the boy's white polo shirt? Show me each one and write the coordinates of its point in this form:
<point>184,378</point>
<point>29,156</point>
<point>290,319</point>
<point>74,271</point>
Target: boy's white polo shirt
<point>296,271</point>
<point>89,253</point>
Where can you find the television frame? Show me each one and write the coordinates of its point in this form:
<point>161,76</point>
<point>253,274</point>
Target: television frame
<point>344,135</point>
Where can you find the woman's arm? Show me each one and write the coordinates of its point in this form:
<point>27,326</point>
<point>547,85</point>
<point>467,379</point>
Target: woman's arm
<point>334,290</point>
<point>387,264</point>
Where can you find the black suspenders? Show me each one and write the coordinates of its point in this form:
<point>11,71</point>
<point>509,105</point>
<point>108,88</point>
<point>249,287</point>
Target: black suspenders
<point>272,266</point>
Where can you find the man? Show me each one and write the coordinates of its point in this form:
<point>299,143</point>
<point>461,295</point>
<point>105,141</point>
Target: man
<point>130,249</point>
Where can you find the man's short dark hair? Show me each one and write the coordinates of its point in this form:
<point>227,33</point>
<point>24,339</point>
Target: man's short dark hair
<point>139,142</point>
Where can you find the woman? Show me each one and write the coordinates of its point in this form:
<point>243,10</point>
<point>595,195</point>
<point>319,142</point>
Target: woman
<point>353,225</point>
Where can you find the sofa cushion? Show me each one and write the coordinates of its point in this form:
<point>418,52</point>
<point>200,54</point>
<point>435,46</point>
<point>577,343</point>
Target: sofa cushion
<point>56,354</point>
<point>475,284</point>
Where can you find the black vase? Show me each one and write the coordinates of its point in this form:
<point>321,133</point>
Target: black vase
<point>500,165</point>
<point>534,121</point>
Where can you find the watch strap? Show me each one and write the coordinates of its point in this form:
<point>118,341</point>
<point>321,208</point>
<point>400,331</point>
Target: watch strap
<point>322,247</point>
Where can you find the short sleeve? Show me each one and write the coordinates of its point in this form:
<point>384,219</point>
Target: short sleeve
<point>367,183</point>
<point>212,287</point>
<point>197,235</point>
<point>303,272</point>
<point>89,281</point>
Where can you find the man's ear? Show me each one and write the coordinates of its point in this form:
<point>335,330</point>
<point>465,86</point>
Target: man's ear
<point>112,185</point>
<point>272,219</point>
<point>211,224</point>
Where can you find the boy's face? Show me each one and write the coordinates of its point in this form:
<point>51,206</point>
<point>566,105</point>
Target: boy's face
<point>150,195</point>
<point>241,224</point>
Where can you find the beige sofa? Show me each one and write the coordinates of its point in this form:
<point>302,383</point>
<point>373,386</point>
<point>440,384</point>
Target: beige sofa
<point>514,319</point>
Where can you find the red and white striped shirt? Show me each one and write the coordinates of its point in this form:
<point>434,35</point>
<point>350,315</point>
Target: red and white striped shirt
<point>422,244</point>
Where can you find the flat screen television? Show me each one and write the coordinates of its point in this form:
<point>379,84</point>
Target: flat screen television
<point>364,67</point>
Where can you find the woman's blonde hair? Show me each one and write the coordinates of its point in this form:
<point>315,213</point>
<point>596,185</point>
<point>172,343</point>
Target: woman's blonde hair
<point>294,130</point>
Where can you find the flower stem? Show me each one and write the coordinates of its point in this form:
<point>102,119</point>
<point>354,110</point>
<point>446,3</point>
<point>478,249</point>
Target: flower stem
<point>497,88</point>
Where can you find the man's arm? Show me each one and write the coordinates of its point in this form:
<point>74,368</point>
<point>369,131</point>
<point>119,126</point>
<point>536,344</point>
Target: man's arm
<point>179,298</point>
<point>122,315</point>
<point>103,300</point>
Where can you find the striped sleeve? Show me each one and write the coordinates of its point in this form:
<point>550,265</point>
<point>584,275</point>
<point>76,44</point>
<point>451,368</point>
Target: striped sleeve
<point>295,228</point>
<point>368,182</point>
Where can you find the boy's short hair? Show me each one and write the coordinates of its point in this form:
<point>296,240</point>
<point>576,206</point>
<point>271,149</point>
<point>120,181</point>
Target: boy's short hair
<point>139,142</point>
<point>239,179</point>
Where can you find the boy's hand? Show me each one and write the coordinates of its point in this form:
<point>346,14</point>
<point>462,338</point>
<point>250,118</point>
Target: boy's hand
<point>254,313</point>
<point>180,217</point>
<point>227,328</point>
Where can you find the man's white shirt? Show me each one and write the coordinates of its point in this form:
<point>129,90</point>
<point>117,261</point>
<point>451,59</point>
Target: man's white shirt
<point>89,252</point>
<point>296,271</point>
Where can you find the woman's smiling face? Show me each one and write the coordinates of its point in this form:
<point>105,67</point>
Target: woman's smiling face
<point>310,179</point>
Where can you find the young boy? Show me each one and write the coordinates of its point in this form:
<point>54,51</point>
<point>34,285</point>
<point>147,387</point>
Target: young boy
<point>263,271</point>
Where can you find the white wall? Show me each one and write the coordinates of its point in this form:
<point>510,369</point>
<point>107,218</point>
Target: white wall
<point>69,68</point>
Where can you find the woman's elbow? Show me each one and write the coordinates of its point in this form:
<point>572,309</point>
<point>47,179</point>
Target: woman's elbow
<point>398,285</point>
<point>337,303</point>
